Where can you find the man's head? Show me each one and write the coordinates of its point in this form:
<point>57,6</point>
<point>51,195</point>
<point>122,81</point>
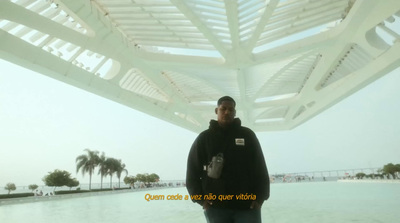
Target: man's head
<point>225,111</point>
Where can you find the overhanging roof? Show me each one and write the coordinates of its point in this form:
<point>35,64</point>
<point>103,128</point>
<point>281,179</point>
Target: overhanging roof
<point>284,61</point>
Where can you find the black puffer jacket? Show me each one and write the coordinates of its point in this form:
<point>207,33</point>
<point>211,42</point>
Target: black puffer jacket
<point>244,172</point>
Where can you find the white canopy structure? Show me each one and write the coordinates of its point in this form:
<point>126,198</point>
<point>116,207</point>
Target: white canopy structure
<point>284,61</point>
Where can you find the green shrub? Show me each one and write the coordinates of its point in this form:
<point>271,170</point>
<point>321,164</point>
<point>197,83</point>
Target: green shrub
<point>71,192</point>
<point>6,196</point>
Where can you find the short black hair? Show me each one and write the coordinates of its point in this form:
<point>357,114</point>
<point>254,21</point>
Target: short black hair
<point>226,98</point>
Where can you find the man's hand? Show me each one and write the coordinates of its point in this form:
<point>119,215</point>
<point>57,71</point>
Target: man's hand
<point>206,204</point>
<point>256,205</point>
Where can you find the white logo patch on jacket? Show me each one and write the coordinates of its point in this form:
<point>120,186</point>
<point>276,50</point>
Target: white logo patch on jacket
<point>239,141</point>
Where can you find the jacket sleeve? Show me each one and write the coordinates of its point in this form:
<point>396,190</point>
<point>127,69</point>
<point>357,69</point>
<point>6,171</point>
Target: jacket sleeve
<point>262,183</point>
<point>194,170</point>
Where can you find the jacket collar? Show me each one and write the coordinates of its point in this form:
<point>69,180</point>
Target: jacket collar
<point>215,126</point>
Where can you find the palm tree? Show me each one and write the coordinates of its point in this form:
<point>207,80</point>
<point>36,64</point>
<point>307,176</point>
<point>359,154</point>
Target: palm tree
<point>111,166</point>
<point>120,169</point>
<point>102,168</point>
<point>87,163</point>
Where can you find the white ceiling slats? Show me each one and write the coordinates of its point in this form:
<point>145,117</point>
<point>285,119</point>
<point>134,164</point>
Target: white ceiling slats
<point>284,61</point>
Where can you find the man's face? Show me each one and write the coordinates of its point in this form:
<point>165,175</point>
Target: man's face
<point>225,113</point>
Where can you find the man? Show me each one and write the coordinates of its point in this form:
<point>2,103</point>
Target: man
<point>237,193</point>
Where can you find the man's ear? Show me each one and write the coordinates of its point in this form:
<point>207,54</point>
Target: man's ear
<point>216,111</point>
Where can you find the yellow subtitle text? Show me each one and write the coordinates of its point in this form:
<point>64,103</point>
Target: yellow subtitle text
<point>210,197</point>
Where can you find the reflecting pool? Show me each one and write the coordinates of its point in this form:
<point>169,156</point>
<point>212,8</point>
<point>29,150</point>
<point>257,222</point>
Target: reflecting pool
<point>290,202</point>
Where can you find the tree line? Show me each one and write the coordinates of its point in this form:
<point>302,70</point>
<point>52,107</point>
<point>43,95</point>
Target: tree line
<point>388,170</point>
<point>146,179</point>
<point>88,163</point>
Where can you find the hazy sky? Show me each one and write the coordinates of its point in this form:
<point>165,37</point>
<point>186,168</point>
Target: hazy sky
<point>45,124</point>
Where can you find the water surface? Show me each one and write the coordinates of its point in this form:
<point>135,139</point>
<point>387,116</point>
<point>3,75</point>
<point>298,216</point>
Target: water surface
<point>290,202</point>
